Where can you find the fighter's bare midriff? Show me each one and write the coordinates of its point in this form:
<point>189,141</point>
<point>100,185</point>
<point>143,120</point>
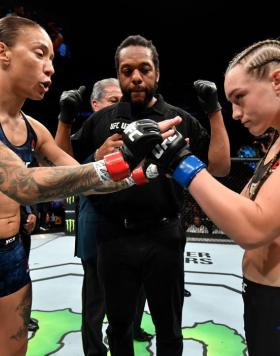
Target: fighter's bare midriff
<point>262,265</point>
<point>9,217</point>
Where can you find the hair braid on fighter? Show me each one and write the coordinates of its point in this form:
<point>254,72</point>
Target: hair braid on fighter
<point>139,138</point>
<point>173,157</point>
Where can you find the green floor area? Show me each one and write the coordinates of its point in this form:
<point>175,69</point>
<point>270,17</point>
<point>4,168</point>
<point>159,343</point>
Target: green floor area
<point>210,327</point>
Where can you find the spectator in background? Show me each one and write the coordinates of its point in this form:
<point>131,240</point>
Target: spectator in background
<point>257,149</point>
<point>44,216</point>
<point>216,230</point>
<point>61,48</point>
<point>248,151</point>
<point>197,226</point>
<point>56,36</point>
<point>57,213</point>
<point>61,61</point>
<point>18,9</point>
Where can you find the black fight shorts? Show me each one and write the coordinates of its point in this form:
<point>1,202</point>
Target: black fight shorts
<point>14,269</point>
<point>261,318</point>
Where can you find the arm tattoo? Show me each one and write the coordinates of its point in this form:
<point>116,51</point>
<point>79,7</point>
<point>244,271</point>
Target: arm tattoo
<point>43,161</point>
<point>33,185</point>
<point>47,163</point>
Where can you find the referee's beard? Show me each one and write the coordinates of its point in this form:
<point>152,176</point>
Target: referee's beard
<point>139,106</point>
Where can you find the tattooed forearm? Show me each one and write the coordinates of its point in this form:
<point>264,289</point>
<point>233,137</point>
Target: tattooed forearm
<point>33,185</point>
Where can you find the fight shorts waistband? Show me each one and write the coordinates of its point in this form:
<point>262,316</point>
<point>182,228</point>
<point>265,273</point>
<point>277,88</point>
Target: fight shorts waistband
<point>254,285</point>
<point>8,242</point>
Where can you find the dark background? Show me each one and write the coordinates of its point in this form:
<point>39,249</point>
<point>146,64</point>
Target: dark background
<point>195,40</point>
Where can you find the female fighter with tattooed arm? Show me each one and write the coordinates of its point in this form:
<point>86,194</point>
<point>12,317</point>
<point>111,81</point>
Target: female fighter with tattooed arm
<point>26,55</point>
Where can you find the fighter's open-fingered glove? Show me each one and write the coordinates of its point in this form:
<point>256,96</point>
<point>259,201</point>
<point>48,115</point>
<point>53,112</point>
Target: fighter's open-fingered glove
<point>144,173</point>
<point>173,157</point>
<point>139,138</point>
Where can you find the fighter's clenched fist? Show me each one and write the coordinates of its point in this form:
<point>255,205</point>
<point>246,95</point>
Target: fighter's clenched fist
<point>70,103</point>
<point>207,96</point>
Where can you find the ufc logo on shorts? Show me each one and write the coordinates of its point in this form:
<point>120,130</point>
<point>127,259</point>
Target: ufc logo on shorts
<point>159,149</point>
<point>132,132</point>
<point>12,239</point>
